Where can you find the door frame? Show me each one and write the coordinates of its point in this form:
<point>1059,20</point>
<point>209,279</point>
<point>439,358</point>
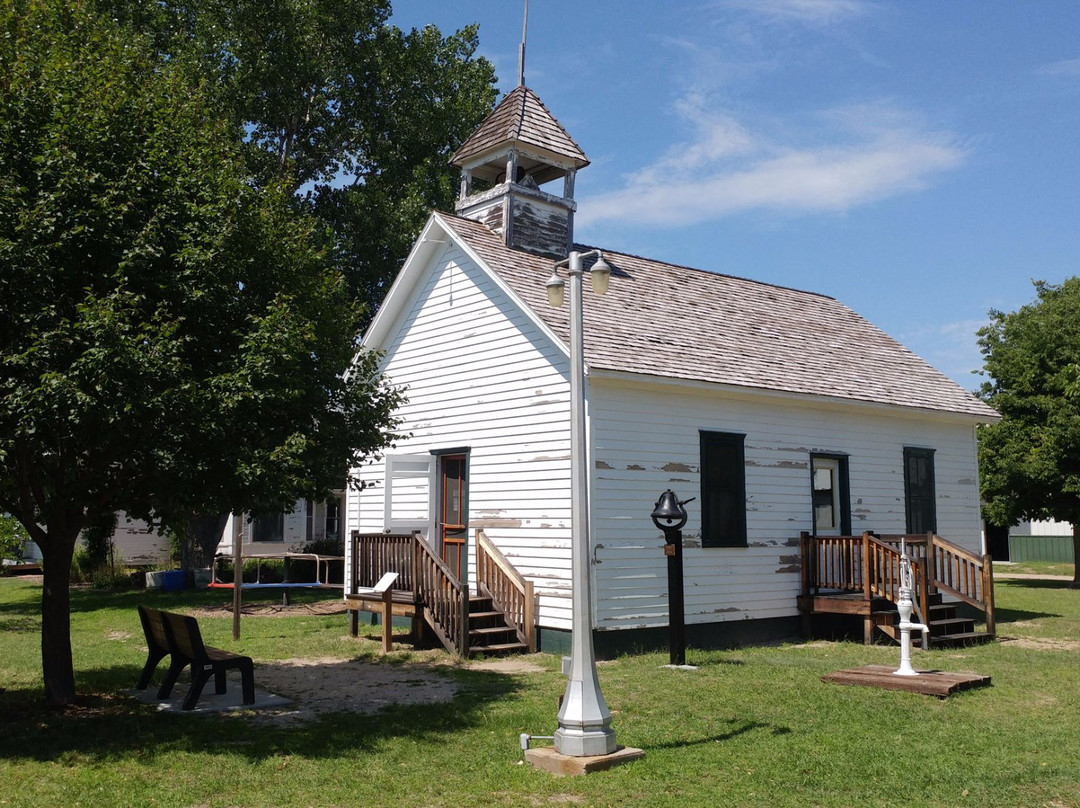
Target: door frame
<point>439,501</point>
<point>841,495</point>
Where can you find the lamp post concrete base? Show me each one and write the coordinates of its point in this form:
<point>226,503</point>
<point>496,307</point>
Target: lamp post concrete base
<point>550,760</point>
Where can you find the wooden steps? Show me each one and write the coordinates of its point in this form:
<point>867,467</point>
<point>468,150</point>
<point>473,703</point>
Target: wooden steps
<point>947,629</point>
<point>489,631</point>
<point>860,576</point>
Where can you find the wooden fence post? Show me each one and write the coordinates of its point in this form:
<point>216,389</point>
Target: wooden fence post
<point>988,594</point>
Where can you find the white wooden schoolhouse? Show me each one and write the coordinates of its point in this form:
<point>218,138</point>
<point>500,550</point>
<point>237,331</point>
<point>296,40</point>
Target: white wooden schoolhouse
<point>788,417</point>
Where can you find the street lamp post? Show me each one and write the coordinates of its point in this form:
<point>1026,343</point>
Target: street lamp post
<point>584,718</point>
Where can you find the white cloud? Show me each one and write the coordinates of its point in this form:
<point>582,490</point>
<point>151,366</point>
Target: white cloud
<point>1068,68</point>
<point>857,155</point>
<point>811,12</point>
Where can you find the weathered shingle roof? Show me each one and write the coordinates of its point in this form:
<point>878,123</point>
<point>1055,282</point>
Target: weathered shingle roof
<point>670,321</point>
<point>521,118</point>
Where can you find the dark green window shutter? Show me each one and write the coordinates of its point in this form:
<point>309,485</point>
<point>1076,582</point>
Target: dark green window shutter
<point>723,490</point>
<point>920,496</point>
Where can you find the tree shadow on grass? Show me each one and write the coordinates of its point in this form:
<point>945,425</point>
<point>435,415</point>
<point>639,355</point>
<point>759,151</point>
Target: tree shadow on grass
<point>738,728</point>
<point>1003,616</point>
<point>109,724</point>
<point>1035,583</point>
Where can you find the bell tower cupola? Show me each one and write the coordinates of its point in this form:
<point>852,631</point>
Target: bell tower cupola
<point>519,148</point>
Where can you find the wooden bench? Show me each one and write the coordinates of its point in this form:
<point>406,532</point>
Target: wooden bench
<point>381,594</point>
<point>178,636</point>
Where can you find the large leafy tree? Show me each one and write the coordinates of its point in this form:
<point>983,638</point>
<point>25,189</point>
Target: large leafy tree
<point>1030,459</point>
<point>172,331</point>
<point>357,116</point>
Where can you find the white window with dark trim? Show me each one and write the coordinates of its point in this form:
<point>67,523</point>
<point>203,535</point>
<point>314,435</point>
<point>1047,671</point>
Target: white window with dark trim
<point>723,490</point>
<point>920,497</point>
<point>829,495</point>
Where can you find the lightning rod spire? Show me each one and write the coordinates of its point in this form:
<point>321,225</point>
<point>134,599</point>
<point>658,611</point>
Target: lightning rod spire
<point>521,47</point>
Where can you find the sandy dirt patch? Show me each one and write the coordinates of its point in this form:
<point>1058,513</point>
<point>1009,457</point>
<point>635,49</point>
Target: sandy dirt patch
<point>273,609</point>
<point>1040,644</point>
<point>329,685</point>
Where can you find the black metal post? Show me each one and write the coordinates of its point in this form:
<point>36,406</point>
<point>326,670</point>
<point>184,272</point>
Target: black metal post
<point>677,614</point>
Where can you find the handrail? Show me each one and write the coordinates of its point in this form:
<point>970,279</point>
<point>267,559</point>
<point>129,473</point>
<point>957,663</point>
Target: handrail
<point>509,591</point>
<point>444,598</point>
<point>884,575</point>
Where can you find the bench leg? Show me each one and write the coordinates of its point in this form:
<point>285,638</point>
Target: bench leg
<point>152,660</point>
<point>199,678</point>
<point>247,680</point>
<point>176,667</point>
<point>354,622</point>
<point>219,679</point>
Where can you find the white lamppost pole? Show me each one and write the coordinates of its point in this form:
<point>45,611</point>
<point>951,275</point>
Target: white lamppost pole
<point>584,720</point>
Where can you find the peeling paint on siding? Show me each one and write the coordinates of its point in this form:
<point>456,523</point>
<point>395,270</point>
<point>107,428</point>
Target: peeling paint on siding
<point>783,464</point>
<point>635,467</point>
<point>677,467</point>
<point>495,523</point>
<point>600,464</point>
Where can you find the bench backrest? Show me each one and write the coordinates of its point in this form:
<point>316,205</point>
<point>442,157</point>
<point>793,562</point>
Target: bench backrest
<point>153,625</point>
<point>186,637</point>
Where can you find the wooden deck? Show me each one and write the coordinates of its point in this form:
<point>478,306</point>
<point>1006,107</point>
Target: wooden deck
<point>927,683</point>
<point>860,576</point>
<point>499,617</point>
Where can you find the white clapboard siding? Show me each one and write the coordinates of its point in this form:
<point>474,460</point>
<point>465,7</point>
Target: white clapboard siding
<point>480,375</point>
<point>637,455</point>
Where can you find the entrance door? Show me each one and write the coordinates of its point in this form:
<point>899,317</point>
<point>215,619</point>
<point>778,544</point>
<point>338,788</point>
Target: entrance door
<point>452,527</point>
<point>829,495</point>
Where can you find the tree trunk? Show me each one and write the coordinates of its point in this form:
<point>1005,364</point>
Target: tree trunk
<point>1076,556</point>
<point>208,530</point>
<point>56,664</point>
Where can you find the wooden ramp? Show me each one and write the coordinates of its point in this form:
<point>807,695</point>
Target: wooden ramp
<point>928,683</point>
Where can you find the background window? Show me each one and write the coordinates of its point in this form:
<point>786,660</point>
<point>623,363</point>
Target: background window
<point>268,527</point>
<point>723,490</point>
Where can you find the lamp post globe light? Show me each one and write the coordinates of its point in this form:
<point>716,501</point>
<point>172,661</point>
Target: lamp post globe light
<point>584,718</point>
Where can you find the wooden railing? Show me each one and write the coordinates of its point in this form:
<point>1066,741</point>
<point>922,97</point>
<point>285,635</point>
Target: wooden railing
<point>430,585</point>
<point>883,574</point>
<point>509,591</point>
<point>374,554</point>
<point>445,600</point>
<point>871,564</point>
<point>964,575</point>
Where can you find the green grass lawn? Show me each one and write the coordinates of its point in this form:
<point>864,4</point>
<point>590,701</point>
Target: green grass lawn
<point>1035,568</point>
<point>750,727</point>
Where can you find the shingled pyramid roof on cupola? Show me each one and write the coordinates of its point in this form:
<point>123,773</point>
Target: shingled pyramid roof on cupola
<point>521,121</point>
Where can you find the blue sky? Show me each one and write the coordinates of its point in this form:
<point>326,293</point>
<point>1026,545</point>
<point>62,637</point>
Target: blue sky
<point>918,160</point>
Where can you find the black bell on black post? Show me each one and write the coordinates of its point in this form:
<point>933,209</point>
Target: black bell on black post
<point>669,515</point>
